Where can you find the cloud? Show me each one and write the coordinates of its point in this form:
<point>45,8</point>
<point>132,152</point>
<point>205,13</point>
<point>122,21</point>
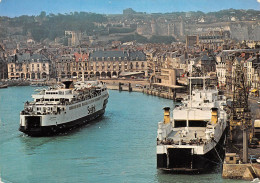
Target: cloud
<point>0,1</point>
<point>257,1</point>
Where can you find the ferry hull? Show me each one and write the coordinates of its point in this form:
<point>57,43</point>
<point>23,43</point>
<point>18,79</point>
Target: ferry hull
<point>181,159</point>
<point>60,128</point>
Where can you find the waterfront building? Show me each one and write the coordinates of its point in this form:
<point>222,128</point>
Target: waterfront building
<point>72,65</point>
<point>112,63</point>
<point>192,65</point>
<point>207,63</point>
<point>101,64</point>
<point>168,77</point>
<point>253,44</point>
<point>221,70</point>
<point>27,66</point>
<point>3,68</point>
<point>252,72</point>
<point>73,37</point>
<point>192,41</point>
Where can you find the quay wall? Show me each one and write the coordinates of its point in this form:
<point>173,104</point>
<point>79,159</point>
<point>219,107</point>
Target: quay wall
<point>135,86</point>
<point>166,95</point>
<point>241,171</point>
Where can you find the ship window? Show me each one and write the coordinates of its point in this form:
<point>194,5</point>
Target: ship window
<point>52,99</point>
<point>179,123</point>
<point>37,100</point>
<point>46,99</point>
<point>56,99</point>
<point>197,123</point>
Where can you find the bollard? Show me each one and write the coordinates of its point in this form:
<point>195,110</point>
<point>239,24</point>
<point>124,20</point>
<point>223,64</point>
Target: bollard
<point>129,87</point>
<point>120,86</point>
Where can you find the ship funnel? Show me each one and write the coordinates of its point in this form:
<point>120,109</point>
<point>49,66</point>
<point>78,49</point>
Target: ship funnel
<point>214,115</point>
<point>166,115</point>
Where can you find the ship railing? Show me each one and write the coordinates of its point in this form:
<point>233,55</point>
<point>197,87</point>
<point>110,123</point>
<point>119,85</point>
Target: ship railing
<point>27,103</point>
<point>55,112</point>
<point>25,113</point>
<point>170,141</point>
<point>85,97</point>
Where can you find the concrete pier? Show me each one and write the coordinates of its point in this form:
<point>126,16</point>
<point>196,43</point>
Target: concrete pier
<point>241,171</point>
<point>161,94</point>
<point>120,86</point>
<point>130,87</point>
<point>144,86</point>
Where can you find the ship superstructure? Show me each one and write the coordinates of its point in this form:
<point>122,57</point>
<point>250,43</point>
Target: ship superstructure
<point>60,108</point>
<point>193,138</point>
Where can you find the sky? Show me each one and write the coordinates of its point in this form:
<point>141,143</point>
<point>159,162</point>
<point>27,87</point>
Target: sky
<point>12,8</point>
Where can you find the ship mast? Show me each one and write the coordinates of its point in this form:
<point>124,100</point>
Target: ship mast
<point>83,72</point>
<point>190,93</point>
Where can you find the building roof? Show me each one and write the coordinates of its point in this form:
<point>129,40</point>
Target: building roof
<point>238,59</point>
<point>38,58</point>
<point>220,54</point>
<point>79,56</point>
<point>205,57</point>
<point>26,57</point>
<point>251,59</point>
<point>137,54</point>
<point>109,55</point>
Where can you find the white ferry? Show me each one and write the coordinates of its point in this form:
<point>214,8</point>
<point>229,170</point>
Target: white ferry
<point>193,139</point>
<point>58,109</point>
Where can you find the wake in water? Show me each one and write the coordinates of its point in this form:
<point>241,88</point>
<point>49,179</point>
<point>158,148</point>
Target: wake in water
<point>4,181</point>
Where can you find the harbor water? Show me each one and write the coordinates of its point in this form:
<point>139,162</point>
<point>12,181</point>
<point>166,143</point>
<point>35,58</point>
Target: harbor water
<point>119,147</point>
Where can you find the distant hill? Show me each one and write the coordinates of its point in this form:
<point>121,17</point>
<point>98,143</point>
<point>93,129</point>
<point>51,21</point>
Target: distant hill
<point>50,26</point>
